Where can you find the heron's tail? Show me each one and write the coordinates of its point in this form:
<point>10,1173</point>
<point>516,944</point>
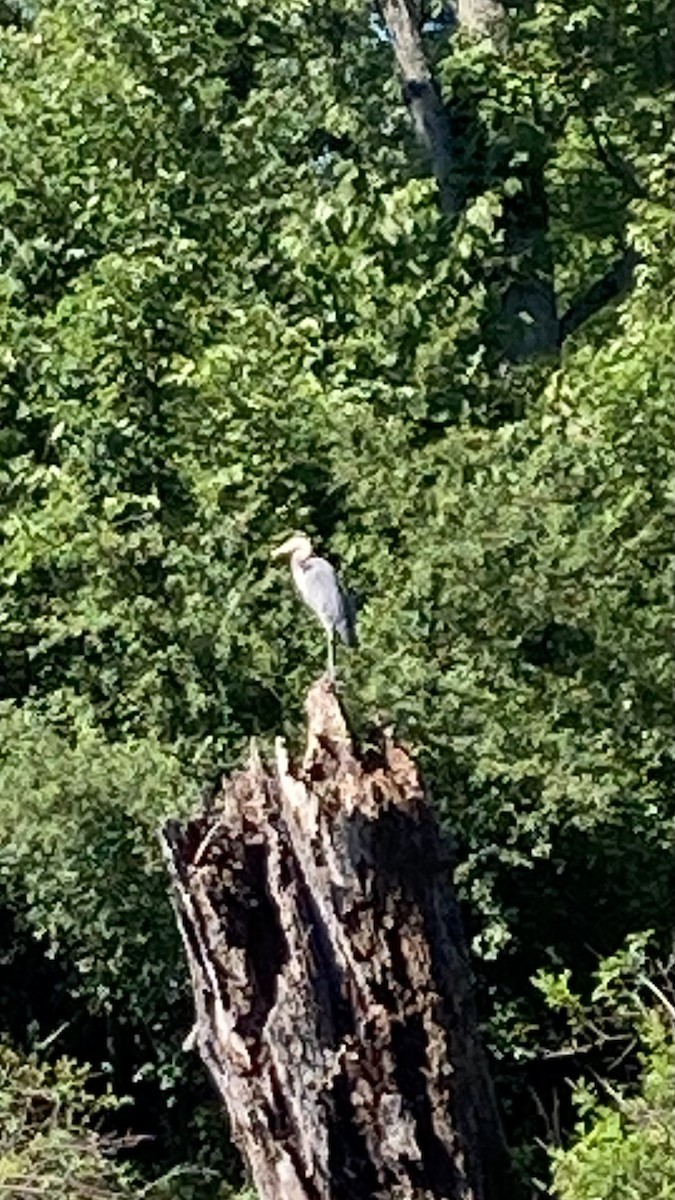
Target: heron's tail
<point>348,634</point>
<point>347,626</point>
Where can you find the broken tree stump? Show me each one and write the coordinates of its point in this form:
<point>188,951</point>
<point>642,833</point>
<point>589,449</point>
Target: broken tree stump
<point>333,996</point>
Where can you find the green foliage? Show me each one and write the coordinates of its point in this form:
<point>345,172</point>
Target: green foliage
<point>53,1141</point>
<point>582,90</point>
<point>626,1147</point>
<point>229,308</point>
<point>624,1142</point>
<point>80,858</point>
<point>49,1144</point>
<point>520,629</point>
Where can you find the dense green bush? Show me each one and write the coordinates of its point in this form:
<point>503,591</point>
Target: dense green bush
<point>80,859</point>
<point>49,1144</point>
<point>229,307</point>
<point>53,1141</point>
<point>624,1143</point>
<point>625,1146</point>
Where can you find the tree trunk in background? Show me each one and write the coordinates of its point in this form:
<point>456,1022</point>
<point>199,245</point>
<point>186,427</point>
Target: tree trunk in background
<point>333,996</point>
<point>529,307</point>
<point>526,220</point>
<point>480,16</point>
<point>529,302</point>
<point>421,94</point>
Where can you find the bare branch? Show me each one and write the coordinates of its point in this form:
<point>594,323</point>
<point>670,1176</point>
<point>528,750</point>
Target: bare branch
<point>614,284</point>
<point>613,161</point>
<point>661,996</point>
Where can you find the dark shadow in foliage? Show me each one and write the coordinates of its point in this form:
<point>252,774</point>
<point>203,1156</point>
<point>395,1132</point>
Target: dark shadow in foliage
<point>601,885</point>
<point>36,1002</point>
<point>259,709</point>
<point>196,126</point>
<point>556,646</point>
<point>23,430</point>
<point>16,14</point>
<point>115,458</point>
<point>52,271</point>
<point>240,76</point>
<point>15,666</point>
<point>34,997</point>
<point>565,649</point>
<point>309,484</point>
<point>22,668</point>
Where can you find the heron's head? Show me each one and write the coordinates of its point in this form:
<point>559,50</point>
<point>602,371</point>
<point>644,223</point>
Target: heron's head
<point>298,544</point>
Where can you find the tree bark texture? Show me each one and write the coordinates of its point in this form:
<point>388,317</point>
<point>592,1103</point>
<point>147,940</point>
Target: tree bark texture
<point>333,997</point>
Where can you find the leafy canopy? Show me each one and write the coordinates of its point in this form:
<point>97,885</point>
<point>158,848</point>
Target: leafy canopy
<point>229,307</point>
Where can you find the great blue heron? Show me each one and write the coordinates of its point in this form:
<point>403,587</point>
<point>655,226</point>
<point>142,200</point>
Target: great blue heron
<point>320,588</point>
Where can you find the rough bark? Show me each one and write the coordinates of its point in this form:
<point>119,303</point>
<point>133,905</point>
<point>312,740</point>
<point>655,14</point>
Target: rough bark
<point>333,998</point>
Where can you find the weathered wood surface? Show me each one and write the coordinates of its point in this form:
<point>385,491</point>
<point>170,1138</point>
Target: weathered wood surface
<point>333,998</point>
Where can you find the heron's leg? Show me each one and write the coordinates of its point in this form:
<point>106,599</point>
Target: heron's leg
<point>331,654</point>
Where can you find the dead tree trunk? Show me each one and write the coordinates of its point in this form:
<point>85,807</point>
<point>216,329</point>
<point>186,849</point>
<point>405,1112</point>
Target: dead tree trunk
<point>333,997</point>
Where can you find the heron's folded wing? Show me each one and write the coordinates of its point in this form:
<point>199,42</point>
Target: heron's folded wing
<point>321,590</point>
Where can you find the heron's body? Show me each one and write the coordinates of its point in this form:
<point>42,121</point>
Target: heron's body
<point>318,584</point>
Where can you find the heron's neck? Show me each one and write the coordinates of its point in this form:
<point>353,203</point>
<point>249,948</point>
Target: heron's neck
<point>299,558</point>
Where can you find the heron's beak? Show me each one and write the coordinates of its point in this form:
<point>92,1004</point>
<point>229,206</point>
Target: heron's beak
<point>281,551</point>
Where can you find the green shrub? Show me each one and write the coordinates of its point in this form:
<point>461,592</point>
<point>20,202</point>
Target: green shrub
<point>623,1146</point>
<point>80,859</point>
<point>624,1142</point>
<point>50,1145</point>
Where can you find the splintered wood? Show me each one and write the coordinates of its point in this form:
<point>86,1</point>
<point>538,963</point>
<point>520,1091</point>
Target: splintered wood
<point>332,992</point>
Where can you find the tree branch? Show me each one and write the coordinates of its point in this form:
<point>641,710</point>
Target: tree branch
<point>613,161</point>
<point>614,284</point>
